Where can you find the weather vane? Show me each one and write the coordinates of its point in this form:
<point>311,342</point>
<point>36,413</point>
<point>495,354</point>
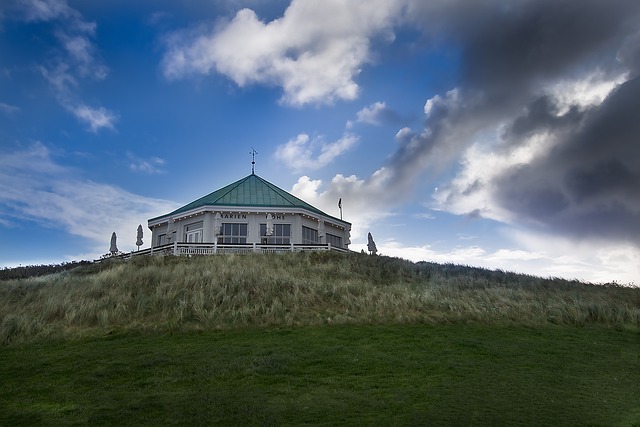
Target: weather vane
<point>253,153</point>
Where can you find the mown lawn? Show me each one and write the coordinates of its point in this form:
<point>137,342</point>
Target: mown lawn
<point>347,375</point>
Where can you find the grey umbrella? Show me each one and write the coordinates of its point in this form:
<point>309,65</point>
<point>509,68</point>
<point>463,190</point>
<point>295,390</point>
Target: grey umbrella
<point>371,245</point>
<point>139,237</point>
<point>114,248</point>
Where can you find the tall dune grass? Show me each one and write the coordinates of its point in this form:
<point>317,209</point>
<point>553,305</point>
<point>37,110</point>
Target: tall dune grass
<point>231,291</point>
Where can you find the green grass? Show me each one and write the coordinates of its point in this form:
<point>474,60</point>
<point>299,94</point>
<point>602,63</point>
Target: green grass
<point>348,375</point>
<point>318,339</point>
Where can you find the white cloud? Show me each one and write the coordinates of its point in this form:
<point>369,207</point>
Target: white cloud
<point>479,167</point>
<point>96,118</point>
<point>403,134</point>
<point>586,91</point>
<point>60,79</point>
<point>8,109</point>
<point>425,215</point>
<point>514,255</point>
<point>34,187</point>
<point>151,166</point>
<point>467,255</point>
<point>63,83</point>
<point>81,51</point>
<point>314,52</point>
<point>45,10</point>
<point>363,201</point>
<point>372,114</point>
<point>74,62</point>
<point>463,237</point>
<point>537,258</point>
<point>303,153</point>
<point>589,260</point>
<point>449,101</point>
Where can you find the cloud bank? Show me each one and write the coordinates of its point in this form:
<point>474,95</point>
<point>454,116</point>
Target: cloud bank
<point>35,187</point>
<point>543,117</point>
<point>542,121</point>
<point>314,52</point>
<point>542,127</point>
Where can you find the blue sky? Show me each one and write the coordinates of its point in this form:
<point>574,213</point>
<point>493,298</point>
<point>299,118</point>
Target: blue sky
<point>501,135</point>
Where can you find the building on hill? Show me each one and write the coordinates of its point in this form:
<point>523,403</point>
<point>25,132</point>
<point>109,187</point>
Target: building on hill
<point>249,215</point>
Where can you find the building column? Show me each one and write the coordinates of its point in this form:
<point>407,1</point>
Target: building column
<point>207,228</point>
<point>253,228</point>
<point>179,234</point>
<point>154,236</point>
<point>296,229</point>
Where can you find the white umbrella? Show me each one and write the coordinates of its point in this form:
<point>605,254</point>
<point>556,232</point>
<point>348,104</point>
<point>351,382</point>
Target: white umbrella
<point>269,224</point>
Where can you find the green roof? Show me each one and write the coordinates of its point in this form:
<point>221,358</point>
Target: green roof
<point>250,191</point>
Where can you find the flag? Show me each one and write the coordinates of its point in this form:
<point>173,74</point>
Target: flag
<point>340,203</point>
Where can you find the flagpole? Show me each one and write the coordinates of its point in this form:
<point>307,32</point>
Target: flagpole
<point>340,206</point>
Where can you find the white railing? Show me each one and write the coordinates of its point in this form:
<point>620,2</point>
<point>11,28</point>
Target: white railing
<point>190,249</point>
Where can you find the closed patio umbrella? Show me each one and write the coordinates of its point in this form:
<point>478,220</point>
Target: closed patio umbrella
<point>114,248</point>
<point>139,237</point>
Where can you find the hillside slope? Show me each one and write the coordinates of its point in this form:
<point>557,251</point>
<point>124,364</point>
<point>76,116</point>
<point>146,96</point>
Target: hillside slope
<point>226,292</point>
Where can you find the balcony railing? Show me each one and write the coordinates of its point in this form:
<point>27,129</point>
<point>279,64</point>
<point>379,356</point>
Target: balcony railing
<point>220,248</point>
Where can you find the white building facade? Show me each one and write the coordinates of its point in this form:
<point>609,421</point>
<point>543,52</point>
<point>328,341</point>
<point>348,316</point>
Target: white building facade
<point>248,215</point>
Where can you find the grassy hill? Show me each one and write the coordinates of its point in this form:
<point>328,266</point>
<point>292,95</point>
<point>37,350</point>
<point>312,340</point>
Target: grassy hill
<point>315,338</point>
<point>227,292</point>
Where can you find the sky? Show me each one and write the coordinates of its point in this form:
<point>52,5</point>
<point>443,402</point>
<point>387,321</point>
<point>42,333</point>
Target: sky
<point>496,134</point>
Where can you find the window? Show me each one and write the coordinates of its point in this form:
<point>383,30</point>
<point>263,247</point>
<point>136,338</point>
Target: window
<point>334,240</point>
<point>162,239</point>
<point>281,234</point>
<point>309,235</point>
<point>193,233</point>
<point>233,233</point>
<point>194,236</point>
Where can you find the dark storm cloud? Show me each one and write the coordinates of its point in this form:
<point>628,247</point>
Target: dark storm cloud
<point>512,49</point>
<point>542,115</point>
<point>512,53</point>
<point>508,50</point>
<point>589,185</point>
<point>629,54</point>
<point>605,179</point>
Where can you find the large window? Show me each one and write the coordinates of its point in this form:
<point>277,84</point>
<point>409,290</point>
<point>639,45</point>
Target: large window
<point>309,235</point>
<point>193,233</point>
<point>162,240</point>
<point>233,233</point>
<point>281,234</point>
<point>334,240</point>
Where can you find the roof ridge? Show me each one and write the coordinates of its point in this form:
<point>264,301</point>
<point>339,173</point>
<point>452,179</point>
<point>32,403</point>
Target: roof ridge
<point>252,190</point>
<point>285,194</point>
<point>231,187</point>
<point>296,200</point>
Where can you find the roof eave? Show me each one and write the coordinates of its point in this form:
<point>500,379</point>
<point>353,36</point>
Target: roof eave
<point>248,209</point>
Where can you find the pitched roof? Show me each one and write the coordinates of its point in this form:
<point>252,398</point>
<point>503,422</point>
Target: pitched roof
<point>250,191</point>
